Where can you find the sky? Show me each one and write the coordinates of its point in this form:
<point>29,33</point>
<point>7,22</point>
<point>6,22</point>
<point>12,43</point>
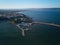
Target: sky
<point>17,4</point>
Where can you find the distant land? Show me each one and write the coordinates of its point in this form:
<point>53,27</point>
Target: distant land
<point>27,9</point>
<point>44,8</point>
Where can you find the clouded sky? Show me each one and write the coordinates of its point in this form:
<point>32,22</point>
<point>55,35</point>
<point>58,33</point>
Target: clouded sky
<point>12,4</point>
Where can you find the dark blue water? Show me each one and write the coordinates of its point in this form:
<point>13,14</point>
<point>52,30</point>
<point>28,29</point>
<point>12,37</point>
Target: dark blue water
<point>38,35</point>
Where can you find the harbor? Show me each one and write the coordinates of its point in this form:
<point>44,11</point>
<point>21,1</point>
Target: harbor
<point>21,21</point>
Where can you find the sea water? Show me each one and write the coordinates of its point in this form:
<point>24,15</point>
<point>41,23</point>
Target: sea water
<point>38,34</point>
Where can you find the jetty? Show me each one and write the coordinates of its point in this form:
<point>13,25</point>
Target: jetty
<point>45,23</point>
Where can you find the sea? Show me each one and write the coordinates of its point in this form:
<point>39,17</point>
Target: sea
<point>38,34</point>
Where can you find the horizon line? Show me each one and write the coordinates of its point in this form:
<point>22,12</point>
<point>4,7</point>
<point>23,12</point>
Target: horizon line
<point>28,8</point>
